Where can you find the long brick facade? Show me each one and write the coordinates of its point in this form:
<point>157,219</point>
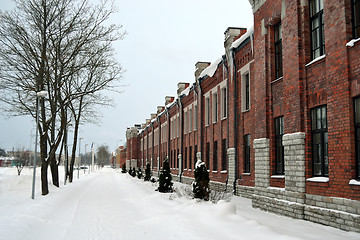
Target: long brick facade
<point>276,118</point>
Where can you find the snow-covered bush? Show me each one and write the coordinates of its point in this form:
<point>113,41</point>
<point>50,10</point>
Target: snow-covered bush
<point>200,185</point>
<point>139,173</point>
<point>133,172</point>
<point>123,168</point>
<point>165,183</point>
<point>147,172</point>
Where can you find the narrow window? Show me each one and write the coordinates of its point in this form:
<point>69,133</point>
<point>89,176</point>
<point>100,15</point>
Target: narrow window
<point>215,157</point>
<point>185,159</point>
<point>356,18</point>
<point>190,157</point>
<point>177,159</point>
<point>207,155</point>
<point>247,153</point>
<point>279,148</point>
<point>278,51</point>
<point>195,155</point>
<point>319,135</point>
<point>223,103</point>
<point>357,135</point>
<point>223,158</point>
<point>190,120</point>
<point>185,122</point>
<point>207,111</point>
<point>246,92</point>
<point>215,107</point>
<point>317,28</point>
<point>196,117</point>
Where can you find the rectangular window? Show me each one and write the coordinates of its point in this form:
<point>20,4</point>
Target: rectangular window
<point>224,155</point>
<point>190,157</point>
<point>196,117</point>
<point>317,28</point>
<point>177,159</point>
<point>215,156</point>
<point>195,155</point>
<point>207,111</point>
<point>247,153</point>
<point>319,135</point>
<point>185,122</point>
<point>185,159</point>
<point>246,92</point>
<point>356,18</point>
<point>357,135</point>
<point>223,103</point>
<point>278,51</point>
<point>207,155</point>
<point>215,107</point>
<point>190,120</point>
<point>279,148</point>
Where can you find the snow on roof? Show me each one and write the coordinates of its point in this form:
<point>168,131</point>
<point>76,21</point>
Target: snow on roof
<point>211,69</point>
<point>186,91</point>
<point>237,43</point>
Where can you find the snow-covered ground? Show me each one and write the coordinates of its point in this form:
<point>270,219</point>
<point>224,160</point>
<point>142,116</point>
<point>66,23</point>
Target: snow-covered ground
<point>107,204</point>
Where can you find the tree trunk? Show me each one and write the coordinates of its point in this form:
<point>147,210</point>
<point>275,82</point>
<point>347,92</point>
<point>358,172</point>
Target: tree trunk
<point>44,165</point>
<point>54,170</point>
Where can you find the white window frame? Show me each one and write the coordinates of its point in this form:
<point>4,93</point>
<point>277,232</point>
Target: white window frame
<point>190,120</point>
<point>222,102</point>
<point>195,117</point>
<point>243,72</point>
<point>207,111</point>
<point>215,107</point>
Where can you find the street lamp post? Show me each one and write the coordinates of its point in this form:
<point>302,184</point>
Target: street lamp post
<point>41,94</point>
<point>86,158</point>
<point>79,161</point>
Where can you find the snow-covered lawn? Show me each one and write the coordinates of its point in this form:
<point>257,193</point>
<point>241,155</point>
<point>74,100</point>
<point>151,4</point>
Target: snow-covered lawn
<point>107,204</point>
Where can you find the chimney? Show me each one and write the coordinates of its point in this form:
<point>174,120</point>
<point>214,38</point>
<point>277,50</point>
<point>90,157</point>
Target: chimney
<point>153,115</point>
<point>160,109</point>
<point>181,87</point>
<point>199,67</point>
<point>169,100</point>
<point>230,34</point>
<point>148,121</point>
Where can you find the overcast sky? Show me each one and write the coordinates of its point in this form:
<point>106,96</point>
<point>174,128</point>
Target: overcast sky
<point>165,39</point>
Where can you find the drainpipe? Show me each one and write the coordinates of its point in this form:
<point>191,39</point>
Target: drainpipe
<point>227,115</point>
<point>159,138</point>
<point>201,123</point>
<point>168,132</point>
<point>181,138</point>
<point>235,118</point>
<point>197,129</point>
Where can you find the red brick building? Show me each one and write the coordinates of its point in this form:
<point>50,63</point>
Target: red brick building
<point>277,117</point>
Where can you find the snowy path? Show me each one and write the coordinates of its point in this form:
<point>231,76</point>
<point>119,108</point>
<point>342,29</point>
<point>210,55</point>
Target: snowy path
<point>111,205</point>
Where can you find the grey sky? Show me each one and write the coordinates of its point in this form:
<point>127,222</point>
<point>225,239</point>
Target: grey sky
<point>165,39</point>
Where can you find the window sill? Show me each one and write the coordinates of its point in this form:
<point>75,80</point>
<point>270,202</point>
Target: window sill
<point>278,176</point>
<point>246,174</point>
<point>316,60</point>
<point>354,182</point>
<point>224,171</point>
<point>189,170</point>
<point>224,118</point>
<point>277,80</point>
<point>352,42</point>
<point>318,179</point>
<point>246,110</point>
<point>214,171</point>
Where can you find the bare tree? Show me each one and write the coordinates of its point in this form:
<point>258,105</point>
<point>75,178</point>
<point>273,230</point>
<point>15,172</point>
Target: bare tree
<point>49,45</point>
<point>22,159</point>
<point>103,155</point>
